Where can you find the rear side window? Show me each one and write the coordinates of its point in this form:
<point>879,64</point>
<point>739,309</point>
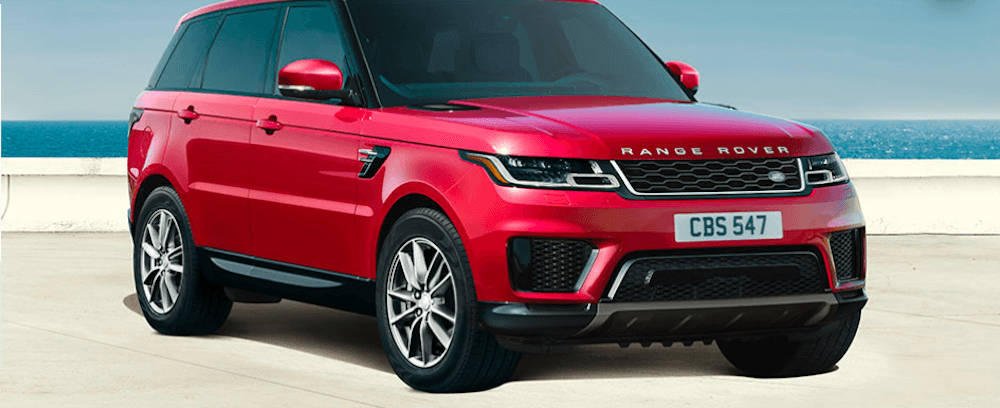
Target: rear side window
<point>237,61</point>
<point>313,33</point>
<point>188,54</point>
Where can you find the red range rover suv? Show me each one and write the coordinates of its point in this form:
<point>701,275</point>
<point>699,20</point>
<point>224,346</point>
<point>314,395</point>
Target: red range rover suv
<point>485,178</point>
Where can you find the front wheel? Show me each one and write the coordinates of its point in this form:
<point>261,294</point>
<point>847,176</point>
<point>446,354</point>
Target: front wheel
<point>426,310</point>
<point>786,358</point>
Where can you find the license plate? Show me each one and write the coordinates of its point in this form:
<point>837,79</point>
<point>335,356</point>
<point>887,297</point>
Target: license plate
<point>735,226</point>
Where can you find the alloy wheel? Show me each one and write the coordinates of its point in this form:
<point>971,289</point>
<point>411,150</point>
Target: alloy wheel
<point>162,262</point>
<point>421,302</point>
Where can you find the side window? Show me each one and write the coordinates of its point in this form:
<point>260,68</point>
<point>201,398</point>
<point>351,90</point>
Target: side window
<point>187,55</point>
<point>313,33</point>
<point>237,61</point>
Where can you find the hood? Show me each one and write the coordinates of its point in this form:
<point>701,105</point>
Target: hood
<point>601,127</point>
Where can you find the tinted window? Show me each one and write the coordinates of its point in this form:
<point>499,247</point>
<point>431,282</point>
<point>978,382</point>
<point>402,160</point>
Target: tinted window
<point>188,54</point>
<point>237,61</point>
<point>313,33</point>
<point>431,51</point>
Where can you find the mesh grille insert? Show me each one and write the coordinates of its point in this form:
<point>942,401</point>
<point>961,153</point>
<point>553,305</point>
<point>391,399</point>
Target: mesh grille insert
<point>846,247</point>
<point>722,276</point>
<point>547,265</point>
<point>712,176</point>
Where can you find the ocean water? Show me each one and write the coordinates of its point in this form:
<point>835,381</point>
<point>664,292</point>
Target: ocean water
<point>854,139</point>
<point>916,139</point>
<point>64,139</point>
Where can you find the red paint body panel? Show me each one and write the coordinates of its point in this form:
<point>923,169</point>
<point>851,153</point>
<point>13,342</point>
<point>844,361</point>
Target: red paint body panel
<point>597,127</point>
<point>303,187</point>
<point>209,157</point>
<point>319,74</point>
<point>686,73</point>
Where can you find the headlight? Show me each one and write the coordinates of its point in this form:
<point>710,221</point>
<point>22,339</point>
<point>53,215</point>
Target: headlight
<point>824,170</point>
<point>540,172</point>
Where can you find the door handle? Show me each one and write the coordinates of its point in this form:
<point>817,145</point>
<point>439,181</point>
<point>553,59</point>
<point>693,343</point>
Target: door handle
<point>188,115</point>
<point>270,125</point>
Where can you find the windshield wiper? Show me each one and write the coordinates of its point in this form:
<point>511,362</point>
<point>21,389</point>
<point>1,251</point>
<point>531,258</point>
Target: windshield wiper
<point>442,107</point>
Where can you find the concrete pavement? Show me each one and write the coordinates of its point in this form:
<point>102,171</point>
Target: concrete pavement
<point>70,336</point>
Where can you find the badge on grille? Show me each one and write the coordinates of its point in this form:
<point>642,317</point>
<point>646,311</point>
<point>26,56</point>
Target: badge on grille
<point>777,176</point>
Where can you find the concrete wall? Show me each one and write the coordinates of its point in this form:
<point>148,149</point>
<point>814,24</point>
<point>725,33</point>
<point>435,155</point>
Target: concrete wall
<point>928,196</point>
<point>88,194</point>
<point>898,196</point>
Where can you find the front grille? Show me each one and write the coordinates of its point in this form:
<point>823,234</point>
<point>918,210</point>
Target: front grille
<point>848,253</point>
<point>700,177</point>
<point>548,265</point>
<point>719,276</point>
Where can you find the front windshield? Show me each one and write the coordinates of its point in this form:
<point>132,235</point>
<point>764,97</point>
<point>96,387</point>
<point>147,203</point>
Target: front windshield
<point>432,51</point>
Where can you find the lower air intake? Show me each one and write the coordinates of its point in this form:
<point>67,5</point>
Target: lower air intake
<point>719,276</point>
<point>848,253</point>
<point>548,265</point>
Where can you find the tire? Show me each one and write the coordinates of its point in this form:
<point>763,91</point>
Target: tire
<point>175,299</point>
<point>473,360</point>
<point>778,357</point>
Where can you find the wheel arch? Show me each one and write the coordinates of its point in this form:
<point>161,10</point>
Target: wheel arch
<point>149,183</point>
<point>412,199</point>
<point>401,206</point>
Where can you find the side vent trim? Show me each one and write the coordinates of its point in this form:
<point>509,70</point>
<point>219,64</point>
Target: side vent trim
<point>373,159</point>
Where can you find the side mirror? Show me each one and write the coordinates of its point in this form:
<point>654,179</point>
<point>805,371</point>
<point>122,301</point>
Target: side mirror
<point>314,79</point>
<point>686,73</point>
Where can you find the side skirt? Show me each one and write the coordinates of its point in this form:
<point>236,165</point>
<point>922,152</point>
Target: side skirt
<point>309,285</point>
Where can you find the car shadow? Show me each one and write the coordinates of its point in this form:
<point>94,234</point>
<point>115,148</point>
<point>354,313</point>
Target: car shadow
<point>354,339</point>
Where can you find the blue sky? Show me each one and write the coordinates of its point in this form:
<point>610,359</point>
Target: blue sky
<point>804,59</point>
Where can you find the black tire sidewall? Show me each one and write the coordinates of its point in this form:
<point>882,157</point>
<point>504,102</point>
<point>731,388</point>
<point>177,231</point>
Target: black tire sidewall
<point>424,223</point>
<point>783,358</point>
<point>165,198</point>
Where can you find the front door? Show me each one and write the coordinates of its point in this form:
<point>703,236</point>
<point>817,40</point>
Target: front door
<point>303,181</point>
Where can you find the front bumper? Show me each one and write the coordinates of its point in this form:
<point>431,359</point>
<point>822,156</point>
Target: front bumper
<point>491,216</point>
<point>536,327</point>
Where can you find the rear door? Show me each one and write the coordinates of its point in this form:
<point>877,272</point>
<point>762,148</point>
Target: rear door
<point>212,126</point>
<point>303,181</point>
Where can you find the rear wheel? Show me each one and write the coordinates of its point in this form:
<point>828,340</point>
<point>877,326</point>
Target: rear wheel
<point>174,297</point>
<point>785,358</point>
<point>427,310</point>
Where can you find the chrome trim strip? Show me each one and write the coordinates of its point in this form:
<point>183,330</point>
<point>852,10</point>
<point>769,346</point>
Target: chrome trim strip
<point>827,179</point>
<point>569,179</point>
<point>628,185</point>
<point>370,155</point>
<point>596,167</point>
<point>621,277</point>
<point>299,88</point>
<point>827,176</point>
<point>605,310</point>
<point>586,269</point>
<point>274,275</point>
